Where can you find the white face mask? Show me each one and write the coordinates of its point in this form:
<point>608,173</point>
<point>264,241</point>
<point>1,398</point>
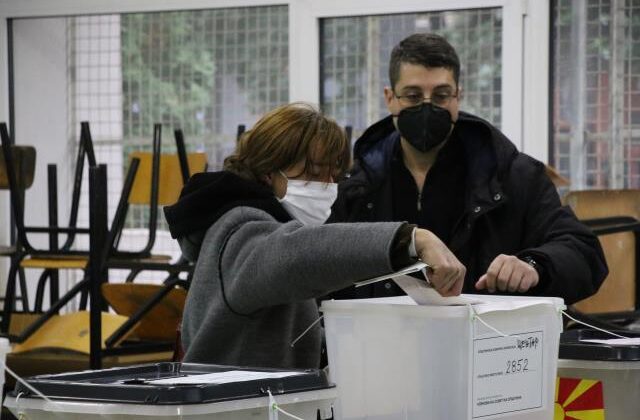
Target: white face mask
<point>309,201</point>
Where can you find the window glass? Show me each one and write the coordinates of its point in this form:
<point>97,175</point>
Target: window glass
<point>204,71</point>
<point>355,55</point>
<point>596,92</point>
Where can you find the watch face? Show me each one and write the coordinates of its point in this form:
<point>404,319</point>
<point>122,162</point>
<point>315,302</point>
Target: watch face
<point>534,264</point>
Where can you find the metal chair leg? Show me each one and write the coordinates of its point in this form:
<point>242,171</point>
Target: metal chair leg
<point>132,275</point>
<point>42,281</point>
<point>10,294</point>
<point>84,299</point>
<point>24,292</point>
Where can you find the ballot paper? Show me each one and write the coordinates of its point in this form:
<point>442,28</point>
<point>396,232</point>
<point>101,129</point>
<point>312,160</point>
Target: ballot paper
<point>616,341</point>
<point>222,377</point>
<point>420,290</point>
<point>407,270</point>
<point>424,294</point>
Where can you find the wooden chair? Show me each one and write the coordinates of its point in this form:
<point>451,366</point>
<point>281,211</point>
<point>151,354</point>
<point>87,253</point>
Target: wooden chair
<point>147,186</point>
<point>150,187</point>
<point>154,310</point>
<point>54,257</point>
<point>104,255</point>
<point>24,159</point>
<point>613,215</point>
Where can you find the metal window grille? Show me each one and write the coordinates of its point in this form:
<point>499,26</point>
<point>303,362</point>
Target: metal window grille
<point>202,71</point>
<point>355,55</point>
<point>95,95</point>
<point>596,92</point>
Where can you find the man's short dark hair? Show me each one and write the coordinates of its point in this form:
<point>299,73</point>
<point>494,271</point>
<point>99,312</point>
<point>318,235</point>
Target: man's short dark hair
<point>428,50</point>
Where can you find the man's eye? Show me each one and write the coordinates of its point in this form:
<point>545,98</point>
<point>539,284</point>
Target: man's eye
<point>414,97</point>
<point>441,97</point>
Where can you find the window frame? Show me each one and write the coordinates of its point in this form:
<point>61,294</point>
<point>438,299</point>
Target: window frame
<point>525,36</point>
<point>525,107</point>
<point>525,79</point>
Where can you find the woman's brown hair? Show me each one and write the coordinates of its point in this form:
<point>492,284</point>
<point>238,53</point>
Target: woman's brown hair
<point>287,135</point>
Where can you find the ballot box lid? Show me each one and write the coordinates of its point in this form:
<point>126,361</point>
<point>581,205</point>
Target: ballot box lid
<point>574,345</point>
<point>174,383</point>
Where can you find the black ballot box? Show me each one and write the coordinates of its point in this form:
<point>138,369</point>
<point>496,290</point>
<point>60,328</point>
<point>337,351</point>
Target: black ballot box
<point>598,371</point>
<point>175,390</point>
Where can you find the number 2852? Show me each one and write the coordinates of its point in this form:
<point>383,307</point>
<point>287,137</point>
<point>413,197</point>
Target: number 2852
<point>517,365</point>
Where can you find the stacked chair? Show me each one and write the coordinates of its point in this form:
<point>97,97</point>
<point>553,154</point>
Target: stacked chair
<point>154,310</point>
<point>143,328</point>
<point>55,257</point>
<point>24,162</point>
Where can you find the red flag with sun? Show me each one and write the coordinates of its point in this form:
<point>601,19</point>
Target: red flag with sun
<point>579,399</point>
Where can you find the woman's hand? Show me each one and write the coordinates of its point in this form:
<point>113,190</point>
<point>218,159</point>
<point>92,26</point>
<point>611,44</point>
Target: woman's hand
<point>446,273</point>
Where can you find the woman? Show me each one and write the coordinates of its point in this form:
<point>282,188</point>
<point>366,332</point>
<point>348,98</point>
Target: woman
<point>263,254</point>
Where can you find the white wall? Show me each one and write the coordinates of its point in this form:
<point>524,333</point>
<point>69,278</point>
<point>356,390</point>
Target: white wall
<point>41,112</point>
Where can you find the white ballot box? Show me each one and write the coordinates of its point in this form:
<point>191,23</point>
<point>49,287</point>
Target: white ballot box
<point>393,359</point>
<point>175,391</point>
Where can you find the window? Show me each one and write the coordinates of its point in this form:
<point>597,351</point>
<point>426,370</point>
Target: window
<point>355,55</point>
<point>203,71</point>
<point>596,92</point>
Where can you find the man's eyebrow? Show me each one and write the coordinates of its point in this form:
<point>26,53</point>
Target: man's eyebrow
<point>411,87</point>
<point>443,86</point>
<point>416,87</point>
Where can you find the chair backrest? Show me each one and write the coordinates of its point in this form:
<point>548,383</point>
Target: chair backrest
<point>170,177</point>
<point>19,175</point>
<point>557,179</point>
<point>24,161</point>
<point>17,196</point>
<point>619,291</point>
<point>156,180</point>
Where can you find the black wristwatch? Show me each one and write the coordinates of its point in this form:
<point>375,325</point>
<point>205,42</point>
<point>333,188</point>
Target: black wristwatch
<point>533,263</point>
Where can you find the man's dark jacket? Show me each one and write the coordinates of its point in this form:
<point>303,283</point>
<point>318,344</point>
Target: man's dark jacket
<point>511,208</point>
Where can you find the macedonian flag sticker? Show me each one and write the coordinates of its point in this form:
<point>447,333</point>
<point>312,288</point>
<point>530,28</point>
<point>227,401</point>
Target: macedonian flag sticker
<point>579,399</point>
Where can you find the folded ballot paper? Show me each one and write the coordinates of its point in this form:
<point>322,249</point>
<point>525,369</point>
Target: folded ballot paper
<point>420,289</point>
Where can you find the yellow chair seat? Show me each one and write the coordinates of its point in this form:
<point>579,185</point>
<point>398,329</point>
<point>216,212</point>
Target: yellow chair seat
<point>69,332</point>
<point>69,262</point>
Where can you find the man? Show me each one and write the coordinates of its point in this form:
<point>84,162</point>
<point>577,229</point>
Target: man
<point>459,177</point>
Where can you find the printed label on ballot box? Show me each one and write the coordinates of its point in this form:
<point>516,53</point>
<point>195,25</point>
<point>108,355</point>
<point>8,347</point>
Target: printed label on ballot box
<point>507,374</point>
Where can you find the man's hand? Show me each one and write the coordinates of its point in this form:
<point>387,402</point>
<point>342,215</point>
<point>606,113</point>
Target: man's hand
<point>508,273</point>
<point>446,272</point>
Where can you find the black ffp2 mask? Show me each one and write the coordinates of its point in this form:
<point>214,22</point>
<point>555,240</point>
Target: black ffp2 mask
<point>424,126</point>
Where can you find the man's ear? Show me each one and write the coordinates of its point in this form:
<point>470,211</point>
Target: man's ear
<point>460,94</point>
<point>388,97</point>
